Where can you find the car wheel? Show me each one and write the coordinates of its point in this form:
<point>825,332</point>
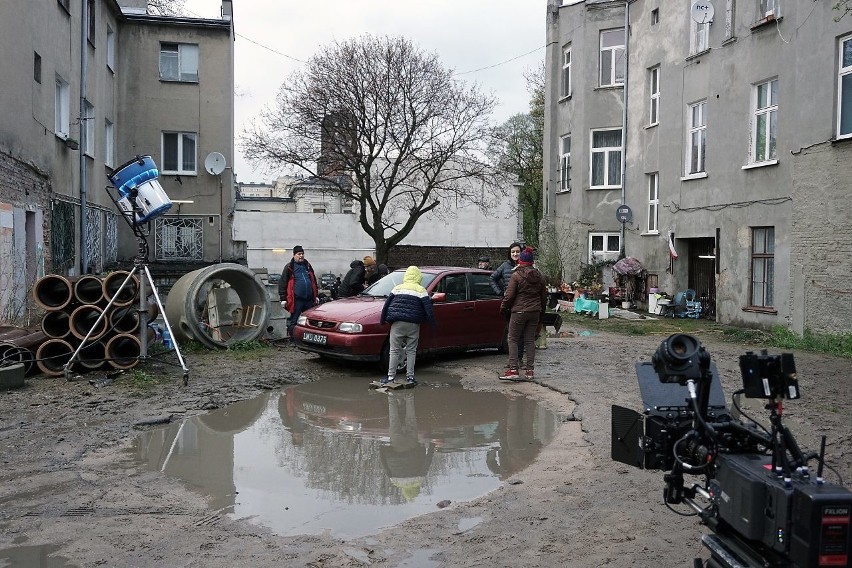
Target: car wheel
<point>384,361</point>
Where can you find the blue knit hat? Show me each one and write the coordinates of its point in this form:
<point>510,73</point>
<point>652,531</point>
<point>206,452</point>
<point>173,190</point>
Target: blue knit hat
<point>526,257</point>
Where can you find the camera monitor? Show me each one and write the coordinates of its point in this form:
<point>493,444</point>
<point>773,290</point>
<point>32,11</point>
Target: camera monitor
<point>669,400</point>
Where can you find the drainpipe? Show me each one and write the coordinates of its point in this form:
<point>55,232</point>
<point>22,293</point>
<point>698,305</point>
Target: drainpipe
<point>84,234</point>
<point>624,113</point>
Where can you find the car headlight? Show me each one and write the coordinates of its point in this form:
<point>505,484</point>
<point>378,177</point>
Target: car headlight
<point>303,320</point>
<point>348,327</point>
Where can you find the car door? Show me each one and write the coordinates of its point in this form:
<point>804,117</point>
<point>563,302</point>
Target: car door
<point>453,314</point>
<point>487,325</point>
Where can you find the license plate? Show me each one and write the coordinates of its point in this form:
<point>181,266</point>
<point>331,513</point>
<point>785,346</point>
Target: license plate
<point>314,338</point>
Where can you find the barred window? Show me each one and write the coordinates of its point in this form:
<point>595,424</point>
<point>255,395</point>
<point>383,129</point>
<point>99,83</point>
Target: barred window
<point>179,238</point>
<point>62,225</point>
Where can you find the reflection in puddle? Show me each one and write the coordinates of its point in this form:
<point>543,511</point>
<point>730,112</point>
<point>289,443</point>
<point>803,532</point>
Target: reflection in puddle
<point>334,456</point>
<point>32,557</point>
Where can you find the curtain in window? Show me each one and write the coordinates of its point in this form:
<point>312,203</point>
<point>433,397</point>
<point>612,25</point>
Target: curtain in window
<point>189,63</point>
<point>169,62</point>
<point>846,98</point>
<point>188,154</point>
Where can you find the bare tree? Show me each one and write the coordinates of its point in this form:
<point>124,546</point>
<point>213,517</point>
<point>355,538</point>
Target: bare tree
<point>843,7</point>
<point>520,153</point>
<point>389,117</point>
<point>166,7</point>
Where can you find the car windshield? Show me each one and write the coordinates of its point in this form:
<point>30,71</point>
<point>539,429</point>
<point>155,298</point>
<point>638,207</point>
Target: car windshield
<point>386,284</point>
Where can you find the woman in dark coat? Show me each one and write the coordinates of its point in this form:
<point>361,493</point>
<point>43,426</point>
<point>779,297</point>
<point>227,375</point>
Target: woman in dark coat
<point>500,277</point>
<point>354,281</point>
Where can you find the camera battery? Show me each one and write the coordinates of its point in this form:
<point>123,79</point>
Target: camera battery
<point>822,526</point>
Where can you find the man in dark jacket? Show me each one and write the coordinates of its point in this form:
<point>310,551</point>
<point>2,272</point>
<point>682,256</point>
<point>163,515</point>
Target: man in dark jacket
<point>297,288</point>
<point>525,300</point>
<point>353,283</point>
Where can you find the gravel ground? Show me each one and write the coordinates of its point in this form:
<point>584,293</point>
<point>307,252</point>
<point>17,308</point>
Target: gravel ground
<point>68,481</point>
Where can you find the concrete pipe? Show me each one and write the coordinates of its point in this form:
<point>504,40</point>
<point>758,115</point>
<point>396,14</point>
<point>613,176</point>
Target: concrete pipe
<point>89,290</point>
<point>124,320</point>
<point>83,319</point>
<point>52,356</point>
<point>218,306</point>
<point>9,333</point>
<point>113,281</point>
<point>91,356</point>
<point>56,324</point>
<point>53,292</point>
<point>123,351</point>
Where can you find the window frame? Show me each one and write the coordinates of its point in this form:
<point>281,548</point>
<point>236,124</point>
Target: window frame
<point>607,151</point>
<point>564,164</point>
<point>181,171</point>
<point>768,8</point>
<point>762,255</point>
<point>87,129</point>
<point>109,143</point>
<point>654,95</point>
<point>110,48</point>
<point>699,37</point>
<point>605,253</point>
<point>180,48</point>
<point>613,58</point>
<point>36,67</point>
<point>653,221</point>
<point>62,108</point>
<point>844,72</point>
<point>693,130</point>
<point>771,123</point>
<point>91,25</point>
<point>566,72</point>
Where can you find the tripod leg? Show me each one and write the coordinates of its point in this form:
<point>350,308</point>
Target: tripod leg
<point>168,326</point>
<point>67,368</point>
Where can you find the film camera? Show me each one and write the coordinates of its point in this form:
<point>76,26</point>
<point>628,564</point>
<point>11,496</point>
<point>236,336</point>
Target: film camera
<point>758,495</point>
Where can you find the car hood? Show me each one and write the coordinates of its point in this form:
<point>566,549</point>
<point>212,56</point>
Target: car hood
<point>360,309</point>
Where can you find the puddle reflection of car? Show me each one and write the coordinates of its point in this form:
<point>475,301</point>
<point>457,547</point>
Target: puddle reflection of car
<point>466,308</point>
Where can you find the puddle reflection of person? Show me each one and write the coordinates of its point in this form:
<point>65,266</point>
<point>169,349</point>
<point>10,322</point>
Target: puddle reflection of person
<point>519,444</point>
<point>405,458</point>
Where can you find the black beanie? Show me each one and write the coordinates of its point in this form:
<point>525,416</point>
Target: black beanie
<point>298,248</point>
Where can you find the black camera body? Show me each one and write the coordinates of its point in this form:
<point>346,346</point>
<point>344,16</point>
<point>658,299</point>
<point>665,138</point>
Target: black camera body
<point>758,495</point>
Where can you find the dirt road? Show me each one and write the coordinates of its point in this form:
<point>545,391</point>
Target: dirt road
<point>69,483</point>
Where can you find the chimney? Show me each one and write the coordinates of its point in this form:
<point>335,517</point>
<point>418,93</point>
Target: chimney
<point>227,9</point>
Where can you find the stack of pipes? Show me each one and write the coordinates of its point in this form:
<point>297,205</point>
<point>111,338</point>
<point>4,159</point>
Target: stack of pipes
<point>73,309</point>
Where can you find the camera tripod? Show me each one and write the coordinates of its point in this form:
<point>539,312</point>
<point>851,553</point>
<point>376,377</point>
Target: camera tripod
<point>140,267</point>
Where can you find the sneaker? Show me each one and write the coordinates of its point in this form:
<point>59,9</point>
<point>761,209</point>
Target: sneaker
<point>410,380</point>
<point>529,374</point>
<point>510,375</point>
<point>386,381</point>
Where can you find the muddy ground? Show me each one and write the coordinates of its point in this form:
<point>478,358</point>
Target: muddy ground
<point>69,483</point>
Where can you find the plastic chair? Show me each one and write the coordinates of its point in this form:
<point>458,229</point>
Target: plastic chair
<point>692,307</point>
<point>678,306</point>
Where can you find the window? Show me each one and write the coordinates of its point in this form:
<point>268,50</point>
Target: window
<point>454,286</point>
<point>62,120</point>
<point>698,37</point>
<point>844,87</point>
<point>696,144</point>
<point>179,152</point>
<point>606,158</point>
<point>604,246</point>
<point>109,143</point>
<point>654,202</point>
<point>480,287</point>
<point>179,62</point>
<point>566,72</point>
<point>565,164</point>
<point>178,238</point>
<point>764,128</point>
<point>90,27</point>
<point>36,67</point>
<point>87,127</point>
<point>612,64</point>
<point>762,266</point>
<point>110,45</point>
<point>768,8</point>
<point>655,16</point>
<point>654,90</point>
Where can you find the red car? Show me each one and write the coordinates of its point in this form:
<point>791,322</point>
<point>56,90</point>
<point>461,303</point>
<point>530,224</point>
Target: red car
<point>466,308</point>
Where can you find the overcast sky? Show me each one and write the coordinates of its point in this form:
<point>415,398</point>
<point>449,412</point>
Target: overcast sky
<point>477,39</point>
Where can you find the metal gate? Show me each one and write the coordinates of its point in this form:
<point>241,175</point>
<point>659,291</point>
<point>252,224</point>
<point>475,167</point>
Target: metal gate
<point>702,273</point>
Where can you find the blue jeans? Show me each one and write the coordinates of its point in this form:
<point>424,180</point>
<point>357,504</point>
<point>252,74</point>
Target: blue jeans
<point>302,304</point>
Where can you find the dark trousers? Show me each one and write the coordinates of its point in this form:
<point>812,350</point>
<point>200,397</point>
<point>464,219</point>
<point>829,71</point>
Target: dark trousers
<point>523,324</point>
<point>302,304</point>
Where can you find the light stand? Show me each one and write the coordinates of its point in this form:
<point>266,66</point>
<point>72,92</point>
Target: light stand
<point>140,266</point>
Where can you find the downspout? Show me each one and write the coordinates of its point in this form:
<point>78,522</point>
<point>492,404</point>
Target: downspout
<point>84,234</point>
<point>624,113</point>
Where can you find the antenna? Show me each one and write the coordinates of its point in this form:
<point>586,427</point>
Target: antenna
<point>214,163</point>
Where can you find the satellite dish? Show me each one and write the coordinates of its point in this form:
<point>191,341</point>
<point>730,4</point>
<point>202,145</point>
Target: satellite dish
<point>214,163</point>
<point>702,11</point>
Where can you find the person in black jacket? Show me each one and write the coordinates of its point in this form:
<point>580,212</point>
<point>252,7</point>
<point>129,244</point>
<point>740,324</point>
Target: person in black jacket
<point>500,277</point>
<point>353,283</point>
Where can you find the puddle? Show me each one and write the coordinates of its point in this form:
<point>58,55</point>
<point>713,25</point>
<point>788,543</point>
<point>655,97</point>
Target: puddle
<point>32,557</point>
<point>336,457</point>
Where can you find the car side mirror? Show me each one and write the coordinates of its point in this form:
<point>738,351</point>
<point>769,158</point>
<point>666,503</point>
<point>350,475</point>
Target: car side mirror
<point>439,297</point>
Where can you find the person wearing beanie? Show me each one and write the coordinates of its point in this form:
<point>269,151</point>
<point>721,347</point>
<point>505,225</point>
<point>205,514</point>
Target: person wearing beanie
<point>369,269</point>
<point>355,280</point>
<point>381,271</point>
<point>408,305</point>
<point>524,303</point>
<point>297,288</point>
<point>484,263</point>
